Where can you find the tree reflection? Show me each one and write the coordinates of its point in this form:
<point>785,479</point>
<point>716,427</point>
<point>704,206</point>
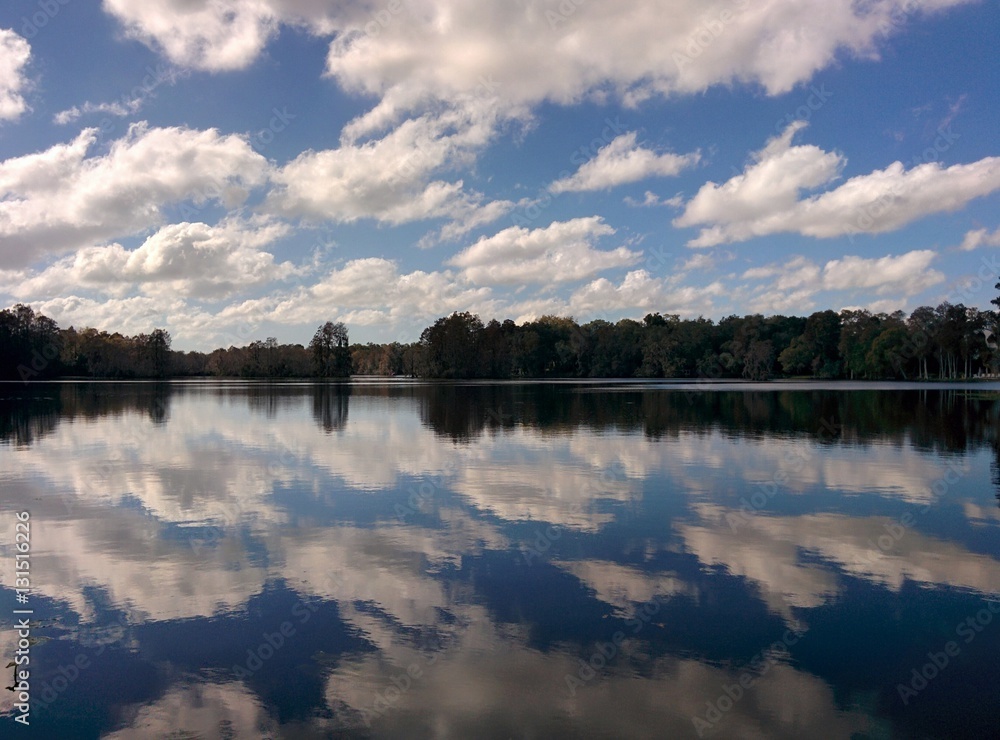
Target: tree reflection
<point>29,412</point>
<point>330,404</point>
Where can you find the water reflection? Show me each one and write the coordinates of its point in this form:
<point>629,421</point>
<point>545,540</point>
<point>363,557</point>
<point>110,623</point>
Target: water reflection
<point>502,560</point>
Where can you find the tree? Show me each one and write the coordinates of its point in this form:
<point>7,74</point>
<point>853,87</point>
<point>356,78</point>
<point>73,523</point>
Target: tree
<point>157,352</point>
<point>884,355</point>
<point>823,332</point>
<point>857,332</point>
<point>331,352</point>
<point>922,328</point>
<point>452,346</point>
<point>30,344</point>
<point>798,356</point>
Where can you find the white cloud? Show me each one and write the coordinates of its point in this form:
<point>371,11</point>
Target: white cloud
<point>120,109</point>
<point>783,302</point>
<point>215,36</point>
<point>560,252</point>
<point>469,217</point>
<point>640,292</point>
<point>365,291</point>
<point>766,198</point>
<point>793,284</point>
<point>61,199</point>
<point>623,161</point>
<point>454,51</point>
<point>980,238</point>
<point>14,55</point>
<point>651,199</point>
<point>908,272</point>
<point>131,315</point>
<point>389,179</point>
<point>700,261</point>
<point>130,102</point>
<point>794,273</point>
<point>186,259</point>
<point>409,53</point>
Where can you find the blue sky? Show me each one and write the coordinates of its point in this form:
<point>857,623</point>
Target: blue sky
<point>233,170</point>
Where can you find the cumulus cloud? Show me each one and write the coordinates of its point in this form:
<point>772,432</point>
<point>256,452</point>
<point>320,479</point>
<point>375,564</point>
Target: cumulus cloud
<point>700,261</point>
<point>14,55</point>
<point>129,315</point>
<point>186,259</point>
<point>390,179</point>
<point>623,161</point>
<point>366,291</point>
<point>215,36</point>
<point>793,284</point>
<point>910,272</point>
<point>638,292</point>
<point>980,238</point>
<point>61,199</point>
<point>767,197</point>
<point>560,252</point>
<point>454,51</point>
<point>446,50</point>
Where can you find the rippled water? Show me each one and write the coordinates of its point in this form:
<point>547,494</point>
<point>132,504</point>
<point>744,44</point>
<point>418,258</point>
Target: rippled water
<point>504,560</point>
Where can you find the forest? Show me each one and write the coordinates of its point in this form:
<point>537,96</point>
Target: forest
<point>948,342</point>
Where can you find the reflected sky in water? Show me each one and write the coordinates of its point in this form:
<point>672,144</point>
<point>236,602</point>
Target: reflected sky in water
<point>504,560</point>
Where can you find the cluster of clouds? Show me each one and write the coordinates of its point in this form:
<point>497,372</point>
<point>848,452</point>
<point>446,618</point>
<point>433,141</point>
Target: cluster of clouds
<point>407,52</point>
<point>446,85</point>
<point>766,198</point>
<point>796,283</point>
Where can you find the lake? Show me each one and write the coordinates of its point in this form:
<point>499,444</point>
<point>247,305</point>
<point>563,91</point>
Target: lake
<point>503,560</point>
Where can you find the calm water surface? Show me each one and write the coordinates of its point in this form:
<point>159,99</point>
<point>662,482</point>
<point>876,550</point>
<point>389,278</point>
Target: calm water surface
<point>239,560</point>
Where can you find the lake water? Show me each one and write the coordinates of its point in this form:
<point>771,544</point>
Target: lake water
<point>536,560</point>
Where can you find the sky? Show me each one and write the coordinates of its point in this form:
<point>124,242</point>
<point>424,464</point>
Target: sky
<point>235,169</point>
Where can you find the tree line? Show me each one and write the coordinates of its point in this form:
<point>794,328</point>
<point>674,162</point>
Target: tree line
<point>33,347</point>
<point>948,342</point>
<point>945,343</point>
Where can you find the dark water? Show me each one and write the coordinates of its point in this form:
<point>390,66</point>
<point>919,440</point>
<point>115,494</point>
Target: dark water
<point>233,560</point>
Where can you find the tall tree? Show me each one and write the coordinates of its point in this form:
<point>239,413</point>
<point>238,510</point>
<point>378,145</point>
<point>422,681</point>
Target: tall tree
<point>452,346</point>
<point>157,351</point>
<point>331,352</point>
